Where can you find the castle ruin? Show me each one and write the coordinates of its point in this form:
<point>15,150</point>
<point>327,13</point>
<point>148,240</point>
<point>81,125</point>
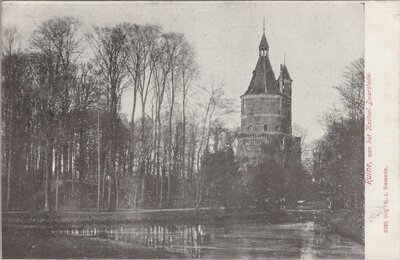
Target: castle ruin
<point>266,114</point>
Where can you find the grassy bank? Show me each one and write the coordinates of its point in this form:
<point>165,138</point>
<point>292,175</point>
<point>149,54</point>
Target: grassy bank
<point>140,216</point>
<point>349,224</point>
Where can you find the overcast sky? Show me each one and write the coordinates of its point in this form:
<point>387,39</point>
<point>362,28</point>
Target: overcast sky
<point>319,40</point>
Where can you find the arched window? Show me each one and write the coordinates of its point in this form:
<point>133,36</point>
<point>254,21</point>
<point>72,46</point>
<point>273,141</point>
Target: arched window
<point>249,128</point>
<point>265,128</point>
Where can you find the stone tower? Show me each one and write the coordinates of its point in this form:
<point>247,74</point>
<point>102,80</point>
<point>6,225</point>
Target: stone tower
<point>266,111</point>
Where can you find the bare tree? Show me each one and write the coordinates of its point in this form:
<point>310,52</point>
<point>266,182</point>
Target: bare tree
<point>352,89</point>
<point>161,73</point>
<point>56,49</point>
<point>174,44</point>
<point>11,41</point>
<point>70,103</point>
<point>143,54</point>
<point>14,69</point>
<point>109,45</point>
<point>216,106</point>
<point>188,70</point>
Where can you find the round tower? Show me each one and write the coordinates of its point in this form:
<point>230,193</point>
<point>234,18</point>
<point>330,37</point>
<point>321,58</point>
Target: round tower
<point>266,111</point>
<point>261,109</point>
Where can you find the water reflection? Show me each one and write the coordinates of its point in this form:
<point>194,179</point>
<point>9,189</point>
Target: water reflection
<point>240,240</point>
<point>186,239</point>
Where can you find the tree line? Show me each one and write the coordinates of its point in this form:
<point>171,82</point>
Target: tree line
<point>66,143</point>
<point>338,157</point>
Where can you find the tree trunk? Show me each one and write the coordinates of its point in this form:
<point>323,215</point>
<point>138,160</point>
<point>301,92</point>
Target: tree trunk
<point>109,185</point>
<point>144,189</point>
<point>57,167</point>
<point>73,168</point>
<point>9,169</point>
<point>69,160</point>
<point>184,143</point>
<point>98,162</point>
<point>169,154</point>
<point>10,130</point>
<point>47,171</point>
<point>161,189</point>
<point>116,191</point>
<point>135,196</point>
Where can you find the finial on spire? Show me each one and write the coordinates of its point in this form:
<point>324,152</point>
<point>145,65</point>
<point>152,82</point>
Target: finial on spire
<point>264,24</point>
<point>284,58</point>
<point>263,47</point>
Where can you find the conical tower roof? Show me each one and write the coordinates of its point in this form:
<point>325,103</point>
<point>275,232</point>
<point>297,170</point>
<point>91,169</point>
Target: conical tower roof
<point>285,72</point>
<point>263,80</point>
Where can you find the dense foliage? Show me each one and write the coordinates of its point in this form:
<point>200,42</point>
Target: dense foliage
<point>339,155</point>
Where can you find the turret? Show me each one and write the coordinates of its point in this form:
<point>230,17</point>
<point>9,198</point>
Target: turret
<point>284,81</point>
<point>285,87</point>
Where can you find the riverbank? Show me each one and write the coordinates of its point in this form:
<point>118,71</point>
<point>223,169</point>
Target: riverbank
<point>137,216</point>
<point>33,243</point>
<point>348,224</point>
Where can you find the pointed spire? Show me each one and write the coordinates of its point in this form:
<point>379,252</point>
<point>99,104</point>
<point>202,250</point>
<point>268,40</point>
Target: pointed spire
<point>263,80</point>
<point>263,43</point>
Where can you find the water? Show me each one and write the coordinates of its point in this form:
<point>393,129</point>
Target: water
<point>233,240</point>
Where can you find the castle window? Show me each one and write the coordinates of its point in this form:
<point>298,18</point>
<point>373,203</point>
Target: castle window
<point>249,128</point>
<point>265,127</point>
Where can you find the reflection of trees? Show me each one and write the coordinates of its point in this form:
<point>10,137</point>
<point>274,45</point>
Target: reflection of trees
<point>187,239</point>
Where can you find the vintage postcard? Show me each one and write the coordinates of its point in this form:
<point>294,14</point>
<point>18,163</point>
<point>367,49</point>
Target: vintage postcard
<point>213,130</point>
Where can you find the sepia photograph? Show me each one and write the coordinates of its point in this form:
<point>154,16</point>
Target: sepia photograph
<point>187,130</point>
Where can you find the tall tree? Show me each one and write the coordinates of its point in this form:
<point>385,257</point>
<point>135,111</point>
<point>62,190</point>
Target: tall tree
<point>56,49</point>
<point>143,52</point>
<point>109,45</point>
<point>15,69</point>
<point>216,106</point>
<point>188,72</point>
<point>174,46</point>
